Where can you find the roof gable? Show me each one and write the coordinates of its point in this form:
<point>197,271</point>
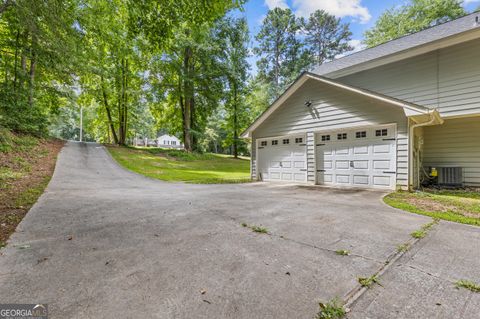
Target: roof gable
<point>410,108</point>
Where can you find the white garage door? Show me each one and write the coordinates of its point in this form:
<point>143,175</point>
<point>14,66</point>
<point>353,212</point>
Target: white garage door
<point>282,159</point>
<point>364,157</point>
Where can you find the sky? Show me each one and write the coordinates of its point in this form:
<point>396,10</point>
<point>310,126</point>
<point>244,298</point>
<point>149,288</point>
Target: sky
<point>361,14</point>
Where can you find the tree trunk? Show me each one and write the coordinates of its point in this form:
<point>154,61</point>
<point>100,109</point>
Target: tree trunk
<point>16,62</point>
<point>33,63</point>
<point>109,114</point>
<point>235,122</point>
<point>187,101</point>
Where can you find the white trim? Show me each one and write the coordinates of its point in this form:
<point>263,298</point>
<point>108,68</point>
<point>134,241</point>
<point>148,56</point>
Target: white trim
<point>356,128</point>
<point>305,76</point>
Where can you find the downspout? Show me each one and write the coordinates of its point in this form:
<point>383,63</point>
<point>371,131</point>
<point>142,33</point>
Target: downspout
<point>411,138</point>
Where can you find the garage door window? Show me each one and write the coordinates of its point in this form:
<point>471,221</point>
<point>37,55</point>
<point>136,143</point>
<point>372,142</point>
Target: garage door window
<point>382,132</point>
<point>342,136</point>
<point>298,140</point>
<point>286,141</point>
<point>263,143</point>
<point>274,142</point>
<point>325,138</point>
<point>361,134</point>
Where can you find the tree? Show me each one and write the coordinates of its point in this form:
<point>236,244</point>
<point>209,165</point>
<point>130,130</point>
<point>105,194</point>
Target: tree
<point>232,34</point>
<point>325,36</point>
<point>280,50</point>
<point>174,27</point>
<point>412,17</point>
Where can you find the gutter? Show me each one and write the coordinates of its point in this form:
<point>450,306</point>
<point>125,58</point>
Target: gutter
<point>433,117</point>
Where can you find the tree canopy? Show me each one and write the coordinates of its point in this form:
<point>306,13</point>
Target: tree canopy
<point>414,16</point>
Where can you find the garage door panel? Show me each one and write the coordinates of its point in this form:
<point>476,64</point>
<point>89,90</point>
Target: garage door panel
<point>361,160</point>
<point>342,179</point>
<point>382,164</point>
<point>360,179</point>
<point>282,162</point>
<point>299,164</point>
<point>362,164</point>
<point>381,148</point>
<point>360,150</point>
<point>342,151</point>
<point>381,180</point>
<point>342,164</point>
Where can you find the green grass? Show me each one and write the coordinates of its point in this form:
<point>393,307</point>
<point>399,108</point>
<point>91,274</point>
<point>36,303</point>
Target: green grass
<point>367,281</point>
<point>331,310</point>
<point>17,142</point>
<point>468,285</point>
<point>423,231</point>
<point>453,205</point>
<point>30,196</point>
<point>178,165</point>
<point>403,247</point>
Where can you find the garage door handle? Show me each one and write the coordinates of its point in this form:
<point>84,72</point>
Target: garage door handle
<point>303,170</point>
<point>389,172</point>
<point>260,148</point>
<point>320,170</point>
<point>320,144</point>
<point>389,139</point>
<point>352,164</point>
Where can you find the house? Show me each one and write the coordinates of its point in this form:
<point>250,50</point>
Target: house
<point>385,117</point>
<point>169,141</point>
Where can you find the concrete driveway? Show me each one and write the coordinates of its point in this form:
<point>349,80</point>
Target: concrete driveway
<point>106,243</point>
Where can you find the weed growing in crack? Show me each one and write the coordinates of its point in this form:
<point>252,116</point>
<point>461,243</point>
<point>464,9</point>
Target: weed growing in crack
<point>403,247</point>
<point>342,252</point>
<point>422,232</point>
<point>368,281</point>
<point>257,229</point>
<point>467,284</point>
<point>331,310</point>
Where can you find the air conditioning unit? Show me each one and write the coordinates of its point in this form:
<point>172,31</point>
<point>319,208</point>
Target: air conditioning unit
<point>450,176</point>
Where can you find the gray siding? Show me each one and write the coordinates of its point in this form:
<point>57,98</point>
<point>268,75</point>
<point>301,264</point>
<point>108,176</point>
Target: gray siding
<point>447,79</point>
<point>333,109</point>
<point>456,143</point>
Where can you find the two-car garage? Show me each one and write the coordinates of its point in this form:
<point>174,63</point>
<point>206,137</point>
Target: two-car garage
<point>356,157</point>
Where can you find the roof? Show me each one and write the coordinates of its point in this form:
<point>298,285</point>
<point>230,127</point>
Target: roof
<point>425,41</point>
<point>413,109</point>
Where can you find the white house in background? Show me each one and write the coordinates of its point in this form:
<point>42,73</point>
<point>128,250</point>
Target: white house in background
<point>391,116</point>
<point>169,141</point>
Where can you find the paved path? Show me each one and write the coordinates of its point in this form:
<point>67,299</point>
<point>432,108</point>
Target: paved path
<point>107,243</point>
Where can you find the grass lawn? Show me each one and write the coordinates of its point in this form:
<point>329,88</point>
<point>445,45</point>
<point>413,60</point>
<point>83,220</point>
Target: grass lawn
<point>459,206</point>
<point>178,165</point>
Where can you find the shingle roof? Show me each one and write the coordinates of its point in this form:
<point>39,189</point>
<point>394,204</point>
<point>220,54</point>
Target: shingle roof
<point>407,42</point>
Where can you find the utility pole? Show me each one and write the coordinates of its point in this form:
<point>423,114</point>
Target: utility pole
<point>81,122</point>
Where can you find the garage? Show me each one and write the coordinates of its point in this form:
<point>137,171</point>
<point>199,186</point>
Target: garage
<point>361,157</point>
<point>282,159</point>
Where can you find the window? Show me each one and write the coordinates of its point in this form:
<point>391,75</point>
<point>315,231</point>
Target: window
<point>263,143</point>
<point>298,140</point>
<point>325,138</point>
<point>342,136</point>
<point>274,142</point>
<point>286,141</point>
<point>361,134</point>
<point>174,142</point>
<point>382,132</point>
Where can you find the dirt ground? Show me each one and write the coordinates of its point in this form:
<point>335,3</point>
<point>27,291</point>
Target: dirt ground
<point>30,170</point>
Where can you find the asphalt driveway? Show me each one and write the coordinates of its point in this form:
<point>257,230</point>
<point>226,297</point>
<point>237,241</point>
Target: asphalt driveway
<point>106,243</point>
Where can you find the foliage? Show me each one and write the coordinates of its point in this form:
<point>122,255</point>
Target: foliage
<point>182,166</point>
<point>331,310</point>
<point>467,284</point>
<point>325,36</point>
<point>280,50</point>
<point>368,281</point>
<point>412,17</point>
